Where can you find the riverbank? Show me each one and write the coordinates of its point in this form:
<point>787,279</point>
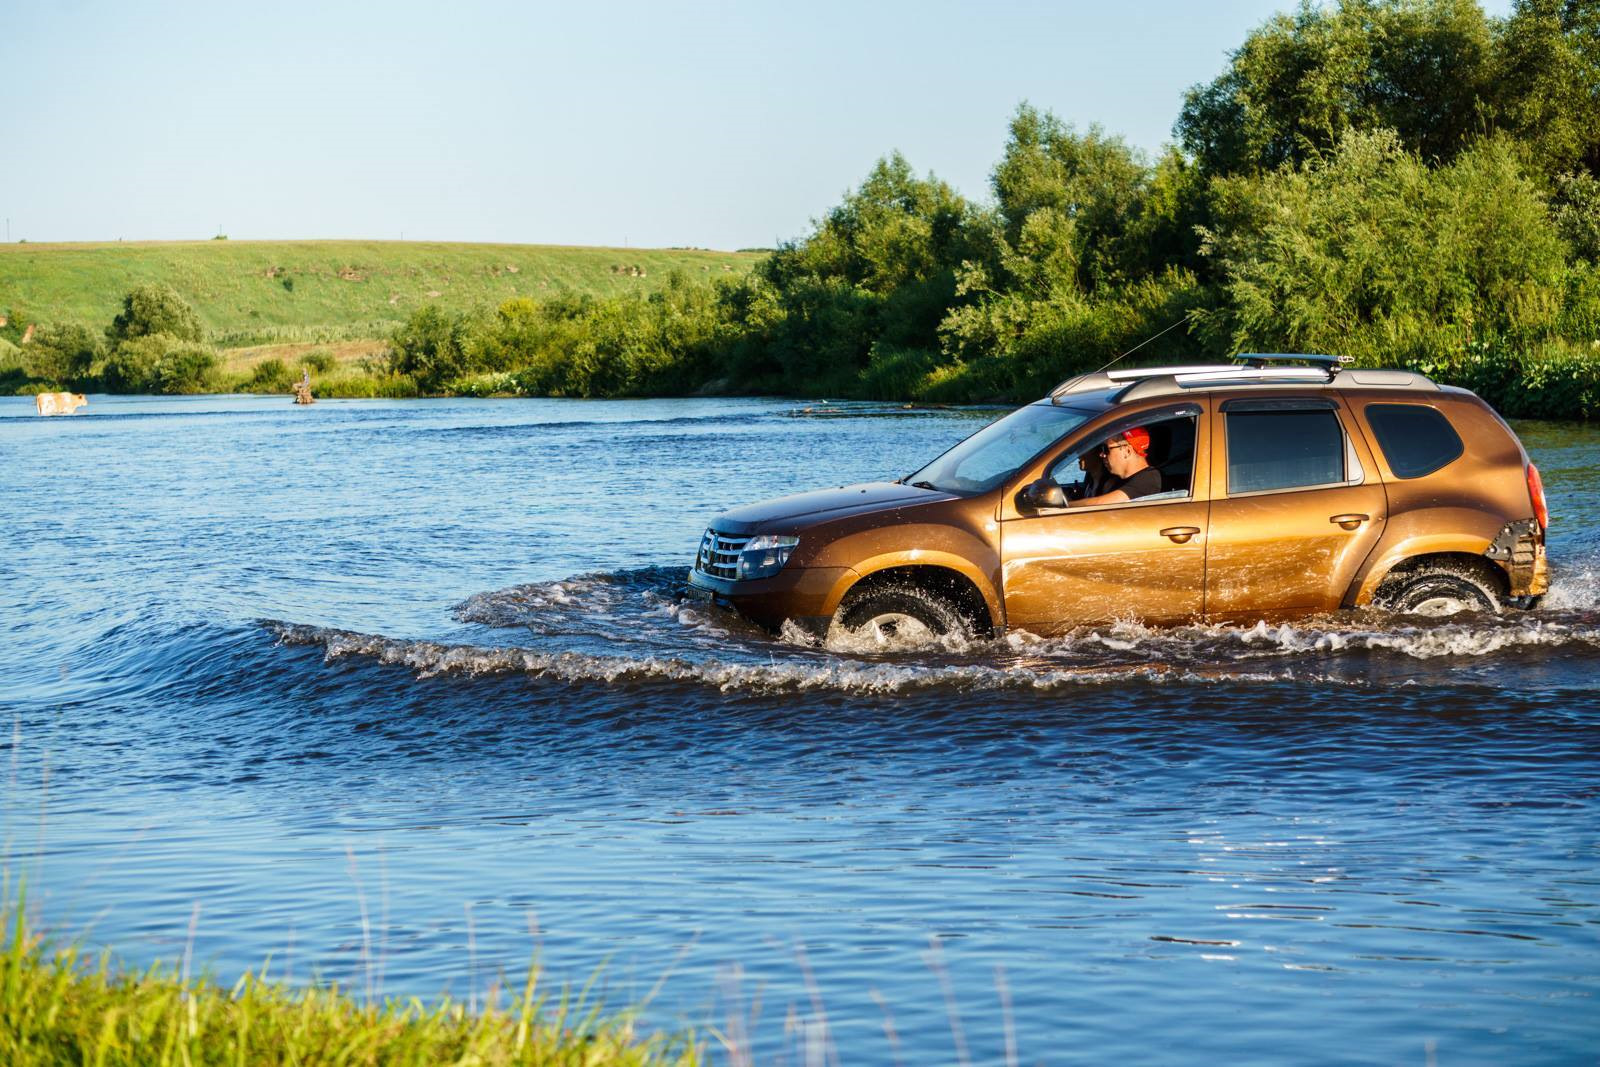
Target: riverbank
<point>57,1006</point>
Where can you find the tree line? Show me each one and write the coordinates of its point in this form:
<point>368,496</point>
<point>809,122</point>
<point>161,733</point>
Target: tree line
<point>1408,182</point>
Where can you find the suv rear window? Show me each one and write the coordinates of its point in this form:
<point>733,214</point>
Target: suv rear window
<point>1283,450</point>
<point>1415,439</point>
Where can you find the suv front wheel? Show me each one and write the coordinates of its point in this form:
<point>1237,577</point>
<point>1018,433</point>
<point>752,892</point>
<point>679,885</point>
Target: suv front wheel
<point>1437,592</point>
<point>902,616</point>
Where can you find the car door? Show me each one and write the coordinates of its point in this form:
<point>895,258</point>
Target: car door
<point>1141,559</point>
<point>1298,506</point>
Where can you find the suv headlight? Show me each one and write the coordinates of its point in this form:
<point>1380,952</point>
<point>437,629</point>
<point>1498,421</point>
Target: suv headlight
<point>765,555</point>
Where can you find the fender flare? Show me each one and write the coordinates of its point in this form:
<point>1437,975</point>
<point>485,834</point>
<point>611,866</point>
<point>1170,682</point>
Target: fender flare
<point>1388,557</point>
<point>921,557</point>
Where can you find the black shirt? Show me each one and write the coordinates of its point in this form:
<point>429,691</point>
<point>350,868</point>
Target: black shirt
<point>1140,483</point>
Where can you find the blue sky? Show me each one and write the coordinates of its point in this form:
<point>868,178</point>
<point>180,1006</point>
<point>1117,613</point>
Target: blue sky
<point>649,124</point>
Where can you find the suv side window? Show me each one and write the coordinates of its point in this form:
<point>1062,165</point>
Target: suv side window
<point>1171,454</point>
<point>1284,449</point>
<point>1415,439</point>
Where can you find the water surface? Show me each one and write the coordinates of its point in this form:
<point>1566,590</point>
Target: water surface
<point>399,693</point>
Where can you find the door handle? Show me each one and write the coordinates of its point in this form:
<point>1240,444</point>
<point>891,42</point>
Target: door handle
<point>1348,522</point>
<point>1180,534</point>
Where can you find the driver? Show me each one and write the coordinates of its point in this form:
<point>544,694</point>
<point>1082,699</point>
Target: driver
<point>1126,457</point>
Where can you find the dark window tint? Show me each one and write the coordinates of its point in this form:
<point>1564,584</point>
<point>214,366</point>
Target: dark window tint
<point>1283,450</point>
<point>1416,440</point>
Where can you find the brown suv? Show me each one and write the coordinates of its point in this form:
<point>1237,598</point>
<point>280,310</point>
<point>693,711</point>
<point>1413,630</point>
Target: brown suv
<point>1280,487</point>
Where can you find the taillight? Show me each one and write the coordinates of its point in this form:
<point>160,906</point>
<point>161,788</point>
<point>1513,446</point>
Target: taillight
<point>1536,492</point>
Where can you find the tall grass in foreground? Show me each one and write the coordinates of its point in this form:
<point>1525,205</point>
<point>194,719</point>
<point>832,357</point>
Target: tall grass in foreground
<point>57,1006</point>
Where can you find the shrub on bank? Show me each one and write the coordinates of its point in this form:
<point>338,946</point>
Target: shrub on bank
<point>159,363</point>
<point>270,376</point>
<point>356,386</point>
<point>63,354</point>
<point>320,361</point>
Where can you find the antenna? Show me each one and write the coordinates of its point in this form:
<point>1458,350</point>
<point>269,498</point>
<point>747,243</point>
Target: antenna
<point>1187,316</point>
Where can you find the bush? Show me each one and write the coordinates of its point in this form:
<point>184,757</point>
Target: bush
<point>320,361</point>
<point>270,376</point>
<point>159,363</point>
<point>435,346</point>
<point>1550,380</point>
<point>155,309</point>
<point>495,383</point>
<point>1372,254</point>
<point>63,353</point>
<point>368,386</point>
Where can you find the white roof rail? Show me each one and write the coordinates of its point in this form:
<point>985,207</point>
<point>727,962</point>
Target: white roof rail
<point>1135,373</point>
<point>1254,374</point>
<point>1250,369</point>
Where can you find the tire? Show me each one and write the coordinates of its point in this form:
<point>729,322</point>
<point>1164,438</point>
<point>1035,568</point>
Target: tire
<point>902,615</point>
<point>1437,592</point>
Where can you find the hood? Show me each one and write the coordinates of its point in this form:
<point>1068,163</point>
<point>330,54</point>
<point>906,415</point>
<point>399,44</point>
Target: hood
<point>788,514</point>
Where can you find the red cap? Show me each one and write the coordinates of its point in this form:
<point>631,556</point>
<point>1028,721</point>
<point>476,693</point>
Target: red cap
<point>1138,439</point>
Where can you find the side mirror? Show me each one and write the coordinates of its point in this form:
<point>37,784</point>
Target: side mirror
<point>1041,494</point>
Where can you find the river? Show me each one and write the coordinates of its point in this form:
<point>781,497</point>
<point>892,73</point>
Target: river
<point>399,694</point>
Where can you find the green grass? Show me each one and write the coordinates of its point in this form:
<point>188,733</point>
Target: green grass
<point>282,292</point>
<point>58,1007</point>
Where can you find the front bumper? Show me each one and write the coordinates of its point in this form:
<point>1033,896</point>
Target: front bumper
<point>808,595</point>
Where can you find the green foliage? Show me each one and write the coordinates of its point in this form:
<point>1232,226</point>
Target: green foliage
<point>1551,379</point>
<point>159,363</point>
<point>155,309</point>
<point>319,360</point>
<point>367,386</point>
<point>1547,77</point>
<point>1577,213</point>
<point>270,376</point>
<point>660,343</point>
<point>60,1007</point>
<point>63,353</point>
<point>14,379</point>
<point>1372,254</point>
<point>881,266</point>
<point>1067,202</point>
<point>1011,345</point>
<point>1297,85</point>
<point>435,346</point>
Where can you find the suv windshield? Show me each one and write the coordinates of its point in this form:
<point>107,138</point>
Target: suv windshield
<point>989,456</point>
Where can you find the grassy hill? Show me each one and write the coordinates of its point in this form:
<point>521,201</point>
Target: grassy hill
<point>280,292</point>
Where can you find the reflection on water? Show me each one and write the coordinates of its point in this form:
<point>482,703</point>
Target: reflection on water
<point>480,714</point>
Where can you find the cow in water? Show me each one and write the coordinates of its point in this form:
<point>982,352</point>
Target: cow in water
<point>59,403</point>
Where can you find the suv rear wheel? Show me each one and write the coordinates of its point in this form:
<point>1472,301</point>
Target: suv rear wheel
<point>1437,592</point>
<point>902,615</point>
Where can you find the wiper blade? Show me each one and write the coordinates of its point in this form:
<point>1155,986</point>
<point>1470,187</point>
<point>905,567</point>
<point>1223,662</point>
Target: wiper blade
<point>926,485</point>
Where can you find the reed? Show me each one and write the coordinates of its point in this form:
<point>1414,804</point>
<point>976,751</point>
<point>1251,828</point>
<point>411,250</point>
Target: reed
<point>58,1005</point>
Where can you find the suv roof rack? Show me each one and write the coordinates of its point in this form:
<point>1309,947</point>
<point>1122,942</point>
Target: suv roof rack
<point>1248,368</point>
<point>1263,359</point>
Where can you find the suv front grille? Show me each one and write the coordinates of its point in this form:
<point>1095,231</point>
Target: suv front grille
<point>719,555</point>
